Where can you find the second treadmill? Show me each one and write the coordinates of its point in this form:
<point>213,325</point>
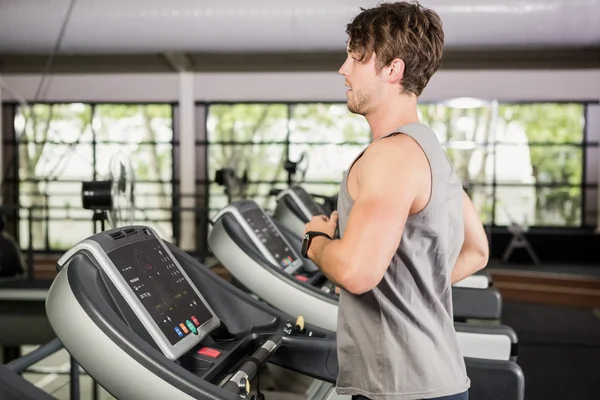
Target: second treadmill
<point>263,259</point>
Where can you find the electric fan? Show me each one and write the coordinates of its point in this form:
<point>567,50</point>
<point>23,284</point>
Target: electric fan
<point>112,199</point>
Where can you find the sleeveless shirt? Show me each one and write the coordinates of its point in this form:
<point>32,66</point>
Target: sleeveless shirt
<point>398,341</point>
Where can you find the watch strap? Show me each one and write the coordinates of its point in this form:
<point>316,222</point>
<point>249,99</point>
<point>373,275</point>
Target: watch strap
<point>307,238</point>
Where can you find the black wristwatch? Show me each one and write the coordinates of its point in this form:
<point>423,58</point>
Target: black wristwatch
<point>308,236</point>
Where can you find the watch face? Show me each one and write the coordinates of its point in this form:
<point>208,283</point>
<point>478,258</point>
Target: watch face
<point>304,249</point>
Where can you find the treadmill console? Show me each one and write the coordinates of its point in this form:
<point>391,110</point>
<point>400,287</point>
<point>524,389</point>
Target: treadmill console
<point>307,201</point>
<point>155,286</point>
<point>265,235</point>
<point>280,248</point>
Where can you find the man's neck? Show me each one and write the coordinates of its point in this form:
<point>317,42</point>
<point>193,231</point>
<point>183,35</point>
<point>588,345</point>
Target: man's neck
<point>392,114</point>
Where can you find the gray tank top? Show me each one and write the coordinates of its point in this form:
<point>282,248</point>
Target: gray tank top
<point>397,341</point>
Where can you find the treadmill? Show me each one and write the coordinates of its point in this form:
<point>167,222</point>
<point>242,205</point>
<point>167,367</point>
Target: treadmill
<point>295,207</point>
<point>264,257</point>
<point>148,321</point>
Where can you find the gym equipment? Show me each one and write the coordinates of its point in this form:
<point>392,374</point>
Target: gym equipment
<point>243,231</point>
<point>295,207</point>
<point>146,320</point>
<point>113,198</point>
<point>13,386</point>
<point>263,256</point>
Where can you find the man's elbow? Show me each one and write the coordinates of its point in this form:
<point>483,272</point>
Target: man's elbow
<point>482,257</point>
<point>357,283</point>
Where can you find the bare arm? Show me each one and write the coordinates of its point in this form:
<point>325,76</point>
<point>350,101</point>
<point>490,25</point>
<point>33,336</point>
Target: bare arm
<point>474,253</point>
<point>358,261</point>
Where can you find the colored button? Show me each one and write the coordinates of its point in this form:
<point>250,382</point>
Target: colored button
<point>195,321</point>
<point>191,326</point>
<point>302,278</point>
<point>207,351</point>
<point>183,328</point>
<point>178,332</point>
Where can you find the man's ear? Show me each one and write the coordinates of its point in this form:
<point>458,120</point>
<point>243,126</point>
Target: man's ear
<point>395,71</point>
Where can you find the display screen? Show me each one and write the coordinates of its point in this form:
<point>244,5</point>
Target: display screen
<point>270,237</point>
<point>161,288</point>
<point>308,201</point>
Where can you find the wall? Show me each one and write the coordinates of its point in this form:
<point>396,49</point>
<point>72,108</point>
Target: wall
<point>536,85</point>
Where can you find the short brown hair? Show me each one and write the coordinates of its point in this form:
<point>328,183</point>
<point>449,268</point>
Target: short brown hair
<point>400,30</point>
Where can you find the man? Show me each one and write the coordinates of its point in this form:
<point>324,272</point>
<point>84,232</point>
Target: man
<point>408,231</point>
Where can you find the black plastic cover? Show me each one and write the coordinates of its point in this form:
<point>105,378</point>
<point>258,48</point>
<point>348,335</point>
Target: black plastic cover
<point>472,303</point>
<point>15,387</point>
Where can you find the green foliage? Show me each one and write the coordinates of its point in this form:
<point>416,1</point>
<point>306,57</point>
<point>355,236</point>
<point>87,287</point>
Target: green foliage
<point>551,126</point>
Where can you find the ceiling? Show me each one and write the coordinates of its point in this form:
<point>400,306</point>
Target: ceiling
<point>130,27</point>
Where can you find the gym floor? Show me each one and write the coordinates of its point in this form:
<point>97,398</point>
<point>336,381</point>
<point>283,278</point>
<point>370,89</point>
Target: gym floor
<point>559,351</point>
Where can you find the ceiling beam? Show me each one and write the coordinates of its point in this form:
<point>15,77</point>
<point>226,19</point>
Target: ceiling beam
<point>179,62</point>
<point>287,62</point>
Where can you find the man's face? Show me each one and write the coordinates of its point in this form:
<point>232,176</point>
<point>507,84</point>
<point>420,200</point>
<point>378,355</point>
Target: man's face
<point>364,83</point>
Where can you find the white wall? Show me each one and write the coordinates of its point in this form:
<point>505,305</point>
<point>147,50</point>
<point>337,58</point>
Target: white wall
<point>537,85</point>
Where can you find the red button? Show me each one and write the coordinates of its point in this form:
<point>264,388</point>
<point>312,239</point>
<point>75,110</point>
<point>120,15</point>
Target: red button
<point>302,278</point>
<point>195,321</point>
<point>207,351</point>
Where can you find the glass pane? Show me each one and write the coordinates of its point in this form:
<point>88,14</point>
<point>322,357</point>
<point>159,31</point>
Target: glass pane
<point>483,200</point>
<point>319,122</point>
<point>137,123</point>
<point>154,200</point>
<point>460,120</point>
<point>64,200</point>
<point>546,206</point>
<point>263,162</point>
<point>37,217</point>
<point>150,161</point>
<point>247,122</point>
<point>556,164</point>
<point>541,122</point>
<point>473,162</point>
<point>326,162</point>
<point>258,192</point>
<point>55,161</point>
<point>62,123</point>
<point>65,233</point>
<point>321,189</point>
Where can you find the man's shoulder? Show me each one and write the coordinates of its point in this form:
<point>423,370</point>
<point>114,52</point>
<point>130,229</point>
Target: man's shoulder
<point>398,151</point>
<point>392,146</point>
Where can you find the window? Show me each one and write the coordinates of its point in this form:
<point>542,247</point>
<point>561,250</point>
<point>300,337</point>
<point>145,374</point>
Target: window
<point>330,136</point>
<point>248,138</point>
<point>547,139</point>
<point>531,153</point>
<point>61,145</point>
<point>519,162</point>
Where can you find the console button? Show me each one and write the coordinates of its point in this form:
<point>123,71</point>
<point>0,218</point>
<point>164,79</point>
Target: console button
<point>191,326</point>
<point>209,352</point>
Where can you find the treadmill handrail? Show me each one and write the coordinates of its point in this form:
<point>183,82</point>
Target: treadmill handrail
<point>22,363</point>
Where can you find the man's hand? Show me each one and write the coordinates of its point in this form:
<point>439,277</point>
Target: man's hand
<point>320,223</point>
